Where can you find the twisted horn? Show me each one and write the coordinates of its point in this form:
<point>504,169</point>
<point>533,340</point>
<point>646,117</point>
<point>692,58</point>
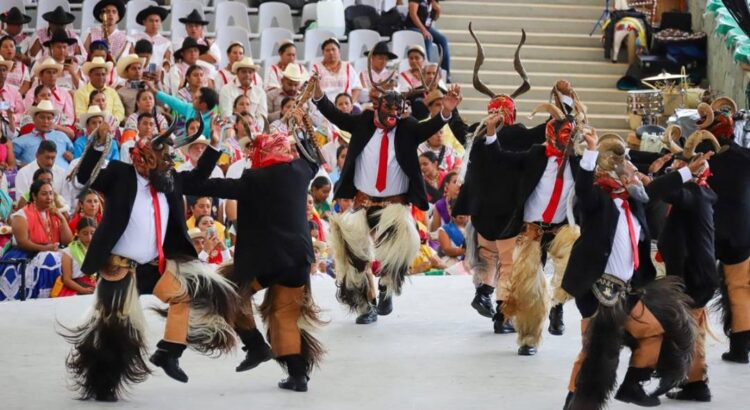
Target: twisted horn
<point>696,138</point>
<point>707,116</point>
<point>670,138</point>
<point>724,102</point>
<point>436,79</point>
<point>525,86</point>
<point>164,138</point>
<point>555,112</point>
<point>377,85</point>
<point>478,84</point>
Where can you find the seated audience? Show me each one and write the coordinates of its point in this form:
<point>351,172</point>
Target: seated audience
<point>433,176</point>
<point>13,21</point>
<point>151,19</point>
<point>52,35</point>
<point>287,56</point>
<point>97,71</point>
<point>109,13</point>
<point>291,82</point>
<point>422,14</point>
<point>46,175</point>
<point>194,26</point>
<point>194,80</point>
<point>73,281</point>
<point>90,206</point>
<point>47,74</point>
<point>336,76</point>
<point>145,102</point>
<point>448,159</point>
<point>224,76</point>
<point>90,123</point>
<point>10,94</point>
<point>130,70</point>
<point>214,248</point>
<point>45,157</point>
<point>320,189</point>
<point>185,57</point>
<point>411,78</point>
<point>340,158</point>
<point>441,212</point>
<point>18,72</point>
<point>453,244</point>
<point>25,147</point>
<point>145,128</point>
<point>201,207</point>
<point>244,70</point>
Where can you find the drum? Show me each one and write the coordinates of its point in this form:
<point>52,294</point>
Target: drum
<point>645,102</point>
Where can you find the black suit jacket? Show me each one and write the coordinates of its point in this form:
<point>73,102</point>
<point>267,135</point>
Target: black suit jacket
<point>687,241</point>
<point>272,228</point>
<point>599,215</point>
<point>731,182</point>
<point>117,183</point>
<point>490,187</point>
<point>409,134</point>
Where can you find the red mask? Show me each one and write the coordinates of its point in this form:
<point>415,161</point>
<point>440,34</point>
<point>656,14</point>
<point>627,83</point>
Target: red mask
<point>558,134</point>
<point>722,127</point>
<point>270,150</point>
<point>506,105</point>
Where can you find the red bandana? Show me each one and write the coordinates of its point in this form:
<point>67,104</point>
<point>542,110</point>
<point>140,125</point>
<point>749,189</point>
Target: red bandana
<point>506,105</point>
<point>722,127</point>
<point>270,150</point>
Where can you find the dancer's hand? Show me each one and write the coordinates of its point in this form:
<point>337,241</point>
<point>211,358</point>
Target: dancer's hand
<point>589,135</point>
<point>657,165</point>
<point>700,162</point>
<point>492,122</point>
<point>451,100</point>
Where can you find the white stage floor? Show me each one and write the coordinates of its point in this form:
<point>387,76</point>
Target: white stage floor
<point>433,352</point>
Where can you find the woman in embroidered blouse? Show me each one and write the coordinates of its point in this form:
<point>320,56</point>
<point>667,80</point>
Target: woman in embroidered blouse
<point>145,102</point>
<point>409,79</point>
<point>224,76</point>
<point>88,207</point>
<point>336,76</point>
<point>18,75</point>
<point>433,176</point>
<point>72,281</point>
<point>274,72</point>
<point>39,229</point>
<point>194,80</point>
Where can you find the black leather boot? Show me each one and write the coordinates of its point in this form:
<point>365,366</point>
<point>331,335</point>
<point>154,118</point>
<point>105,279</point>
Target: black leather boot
<point>297,380</point>
<point>568,400</point>
<point>526,350</point>
<point>385,302</point>
<point>501,326</point>
<point>482,302</point>
<point>738,348</point>
<point>256,349</point>
<point>631,390</point>
<point>371,316</point>
<point>556,325</point>
<point>695,391</point>
<point>167,356</point>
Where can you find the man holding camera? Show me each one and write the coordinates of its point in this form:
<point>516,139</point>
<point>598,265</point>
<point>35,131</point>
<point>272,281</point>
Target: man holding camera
<point>130,71</point>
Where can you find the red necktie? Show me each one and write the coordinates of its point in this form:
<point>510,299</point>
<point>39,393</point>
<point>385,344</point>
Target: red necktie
<point>631,231</point>
<point>549,213</point>
<point>40,134</point>
<point>382,162</point>
<point>157,220</point>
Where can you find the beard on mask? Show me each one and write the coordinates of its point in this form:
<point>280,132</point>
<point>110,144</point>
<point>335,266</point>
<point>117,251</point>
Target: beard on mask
<point>162,181</point>
<point>638,192</point>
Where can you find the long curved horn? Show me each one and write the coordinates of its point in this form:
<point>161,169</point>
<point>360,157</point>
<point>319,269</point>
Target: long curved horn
<point>724,102</point>
<point>696,138</point>
<point>555,112</point>
<point>377,85</point>
<point>436,79</point>
<point>707,116</point>
<point>525,86</point>
<point>478,84</point>
<point>670,138</point>
<point>165,137</point>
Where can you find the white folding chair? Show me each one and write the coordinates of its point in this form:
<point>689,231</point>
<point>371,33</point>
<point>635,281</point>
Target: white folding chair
<point>309,12</point>
<point>403,39</point>
<point>313,39</point>
<point>270,38</point>
<point>361,40</point>
<point>226,35</point>
<point>6,5</point>
<point>87,17</point>
<point>331,17</point>
<point>281,12</point>
<point>232,12</point>
<point>376,4</point>
<point>359,64</point>
<point>181,9</point>
<point>388,4</point>
<point>45,6</point>
<point>134,7</point>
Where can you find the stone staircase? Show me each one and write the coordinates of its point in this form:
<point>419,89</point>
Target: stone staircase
<point>558,46</point>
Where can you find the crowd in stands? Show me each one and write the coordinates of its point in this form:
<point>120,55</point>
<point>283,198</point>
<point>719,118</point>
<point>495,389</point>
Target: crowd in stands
<point>58,87</point>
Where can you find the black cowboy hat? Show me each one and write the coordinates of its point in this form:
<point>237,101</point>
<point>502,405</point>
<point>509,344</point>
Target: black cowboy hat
<point>151,10</point>
<point>14,16</point>
<point>59,16</point>
<point>104,3</point>
<point>189,42</point>
<point>194,17</point>
<point>59,36</point>
<point>381,48</point>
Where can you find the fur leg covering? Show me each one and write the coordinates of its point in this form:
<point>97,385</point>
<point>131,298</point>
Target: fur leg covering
<point>597,377</point>
<point>352,252</point>
<point>290,315</point>
<point>722,304</point>
<point>109,349</point>
<point>396,246</point>
<point>559,252</point>
<point>528,302</point>
<point>471,258</point>
<point>666,299</point>
<point>213,303</point>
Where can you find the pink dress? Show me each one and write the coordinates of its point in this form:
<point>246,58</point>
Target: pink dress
<point>118,40</point>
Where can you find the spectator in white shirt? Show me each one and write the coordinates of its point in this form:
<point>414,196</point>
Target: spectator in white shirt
<point>287,56</point>
<point>336,76</point>
<point>243,85</point>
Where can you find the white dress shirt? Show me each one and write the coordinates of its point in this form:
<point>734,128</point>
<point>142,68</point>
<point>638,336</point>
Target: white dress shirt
<point>537,202</point>
<point>188,166</point>
<point>25,177</point>
<point>367,164</point>
<point>230,92</point>
<point>237,168</point>
<point>138,242</point>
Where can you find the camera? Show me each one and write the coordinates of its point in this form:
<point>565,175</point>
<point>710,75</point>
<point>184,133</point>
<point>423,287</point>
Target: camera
<point>4,105</point>
<point>137,85</point>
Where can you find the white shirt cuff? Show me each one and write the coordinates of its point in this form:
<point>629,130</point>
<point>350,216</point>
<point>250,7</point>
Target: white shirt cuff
<point>446,119</point>
<point>588,160</point>
<point>490,139</point>
<point>685,174</point>
<point>315,100</point>
<point>203,256</point>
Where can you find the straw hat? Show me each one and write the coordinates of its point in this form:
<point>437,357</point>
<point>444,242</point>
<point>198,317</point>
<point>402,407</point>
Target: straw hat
<point>43,106</point>
<point>293,73</point>
<point>244,141</point>
<point>433,96</point>
<point>126,62</point>
<point>195,233</point>
<point>419,49</point>
<point>93,111</point>
<point>246,62</point>
<point>96,62</point>
<point>202,140</point>
<point>49,63</point>
<point>7,64</point>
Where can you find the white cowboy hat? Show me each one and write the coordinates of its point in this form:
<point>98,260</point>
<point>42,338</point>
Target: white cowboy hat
<point>246,62</point>
<point>419,49</point>
<point>7,64</point>
<point>293,73</point>
<point>200,140</point>
<point>195,233</point>
<point>48,63</point>
<point>126,62</point>
<point>93,111</point>
<point>43,106</point>
<point>244,141</point>
<point>96,62</point>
